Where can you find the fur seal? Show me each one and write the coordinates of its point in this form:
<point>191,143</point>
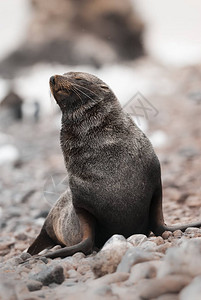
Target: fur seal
<point>114,173</point>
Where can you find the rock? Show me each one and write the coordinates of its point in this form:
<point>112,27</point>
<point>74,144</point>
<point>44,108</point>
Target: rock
<point>148,246</point>
<point>193,230</point>
<point>137,239</point>
<point>193,201</point>
<point>192,291</point>
<point>115,241</point>
<point>14,212</point>
<point>132,257</point>
<point>7,291</point>
<point>11,289</point>
<point>158,240</point>
<point>6,242</point>
<point>78,256</point>
<point>88,24</point>
<point>144,270</point>
<point>103,291</point>
<point>10,109</point>
<point>195,96</point>
<point>153,288</point>
<point>107,260</point>
<point>177,233</point>
<point>50,274</point>
<point>24,256</point>
<point>34,285</point>
<point>83,269</point>
<point>189,152</point>
<point>169,296</point>
<point>21,236</point>
<point>163,248</point>
<point>73,274</point>
<point>20,246</point>
<point>121,292</point>
<point>16,261</point>
<point>109,279</point>
<point>166,235</point>
<point>185,259</point>
<point>67,266</point>
<point>43,259</point>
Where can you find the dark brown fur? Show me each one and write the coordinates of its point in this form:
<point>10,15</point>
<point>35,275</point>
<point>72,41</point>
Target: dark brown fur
<point>115,177</point>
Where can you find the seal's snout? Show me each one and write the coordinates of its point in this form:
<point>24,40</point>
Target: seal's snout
<point>52,80</point>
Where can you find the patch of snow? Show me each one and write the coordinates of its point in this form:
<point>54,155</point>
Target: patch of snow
<point>158,138</point>
<point>172,32</point>
<point>14,18</point>
<point>9,154</point>
<point>33,84</point>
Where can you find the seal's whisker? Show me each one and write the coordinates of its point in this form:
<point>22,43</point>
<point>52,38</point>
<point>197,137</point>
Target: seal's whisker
<point>76,92</point>
<point>83,93</point>
<point>85,88</point>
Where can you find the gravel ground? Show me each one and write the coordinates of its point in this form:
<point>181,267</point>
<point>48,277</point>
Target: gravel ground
<point>167,267</point>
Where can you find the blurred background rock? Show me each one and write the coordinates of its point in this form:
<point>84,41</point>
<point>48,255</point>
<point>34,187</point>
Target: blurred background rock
<point>77,32</point>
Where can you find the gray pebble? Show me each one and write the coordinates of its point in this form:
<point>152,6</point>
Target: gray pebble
<point>44,259</point>
<point>34,285</point>
<point>103,290</point>
<point>50,274</point>
<point>24,256</point>
<point>17,261</point>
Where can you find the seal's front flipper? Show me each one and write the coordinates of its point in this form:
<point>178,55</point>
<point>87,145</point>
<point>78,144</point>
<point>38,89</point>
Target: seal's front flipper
<point>87,225</point>
<point>42,242</point>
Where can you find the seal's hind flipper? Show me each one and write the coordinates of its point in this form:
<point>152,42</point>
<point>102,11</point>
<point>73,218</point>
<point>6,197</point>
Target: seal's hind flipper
<point>42,242</point>
<point>87,225</point>
<point>156,220</point>
<point>85,247</point>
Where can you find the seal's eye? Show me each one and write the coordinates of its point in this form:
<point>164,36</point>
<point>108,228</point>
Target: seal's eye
<point>103,86</point>
<point>80,80</point>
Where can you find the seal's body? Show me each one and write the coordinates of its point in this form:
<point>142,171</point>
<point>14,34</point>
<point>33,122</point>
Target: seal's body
<point>114,173</point>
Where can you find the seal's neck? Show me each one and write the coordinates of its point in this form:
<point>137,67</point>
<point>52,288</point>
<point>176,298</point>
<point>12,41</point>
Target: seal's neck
<point>93,123</point>
<point>88,116</point>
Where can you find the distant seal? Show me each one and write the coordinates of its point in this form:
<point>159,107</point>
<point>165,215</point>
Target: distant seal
<point>114,173</point>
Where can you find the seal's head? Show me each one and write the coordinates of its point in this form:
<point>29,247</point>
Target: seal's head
<point>73,90</point>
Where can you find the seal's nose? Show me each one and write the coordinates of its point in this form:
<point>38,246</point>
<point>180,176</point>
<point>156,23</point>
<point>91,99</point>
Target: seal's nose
<point>52,80</point>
